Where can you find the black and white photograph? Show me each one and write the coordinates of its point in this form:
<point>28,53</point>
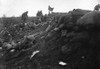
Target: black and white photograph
<point>49,34</point>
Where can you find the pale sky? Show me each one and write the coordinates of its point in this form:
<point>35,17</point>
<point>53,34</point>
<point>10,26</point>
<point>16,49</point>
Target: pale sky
<point>17,7</point>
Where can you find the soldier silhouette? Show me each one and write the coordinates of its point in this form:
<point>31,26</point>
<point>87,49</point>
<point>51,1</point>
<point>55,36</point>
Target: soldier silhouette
<point>50,9</point>
<point>97,7</point>
<point>24,16</point>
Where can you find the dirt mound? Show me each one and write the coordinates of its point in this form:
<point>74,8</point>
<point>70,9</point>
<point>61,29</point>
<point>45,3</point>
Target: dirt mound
<point>66,45</point>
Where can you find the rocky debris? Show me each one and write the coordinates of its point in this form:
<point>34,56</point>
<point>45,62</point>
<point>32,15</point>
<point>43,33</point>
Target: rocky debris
<point>66,45</point>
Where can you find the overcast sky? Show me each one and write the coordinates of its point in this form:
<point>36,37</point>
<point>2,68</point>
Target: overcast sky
<point>17,7</point>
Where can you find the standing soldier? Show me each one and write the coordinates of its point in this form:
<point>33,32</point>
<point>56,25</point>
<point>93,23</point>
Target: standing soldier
<point>24,16</point>
<point>50,9</point>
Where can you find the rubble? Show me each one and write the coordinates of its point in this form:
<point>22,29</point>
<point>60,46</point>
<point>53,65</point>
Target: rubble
<point>67,44</point>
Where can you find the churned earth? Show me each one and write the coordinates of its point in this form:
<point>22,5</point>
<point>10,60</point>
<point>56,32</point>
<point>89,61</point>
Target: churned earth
<point>70,41</point>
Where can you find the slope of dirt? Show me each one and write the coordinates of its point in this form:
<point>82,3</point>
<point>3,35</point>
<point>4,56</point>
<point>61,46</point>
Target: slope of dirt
<point>65,45</point>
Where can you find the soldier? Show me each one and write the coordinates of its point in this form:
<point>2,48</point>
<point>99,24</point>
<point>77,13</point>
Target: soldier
<point>50,9</point>
<point>24,16</point>
<point>97,7</point>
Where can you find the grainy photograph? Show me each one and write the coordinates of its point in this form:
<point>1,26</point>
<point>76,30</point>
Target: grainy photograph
<point>49,34</point>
